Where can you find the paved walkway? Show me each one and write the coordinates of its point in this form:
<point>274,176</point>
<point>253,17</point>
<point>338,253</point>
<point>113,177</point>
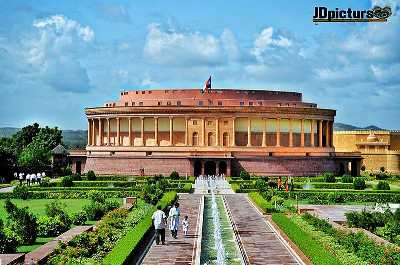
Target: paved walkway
<point>335,213</point>
<point>179,251</point>
<point>260,242</point>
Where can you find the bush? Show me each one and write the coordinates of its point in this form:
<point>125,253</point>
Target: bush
<point>244,175</point>
<point>8,244</point>
<point>382,176</point>
<point>329,177</point>
<point>261,184</point>
<point>67,171</point>
<point>382,185</point>
<point>51,226</point>
<point>310,247</point>
<point>46,182</point>
<point>347,179</point>
<point>22,222</point>
<point>76,177</point>
<point>359,184</point>
<point>79,218</point>
<point>67,181</point>
<point>91,175</point>
<point>21,192</point>
<point>97,209</point>
<point>174,175</point>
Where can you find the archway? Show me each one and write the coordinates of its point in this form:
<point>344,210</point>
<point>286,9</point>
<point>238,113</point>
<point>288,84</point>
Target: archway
<point>210,139</point>
<point>222,167</point>
<point>225,139</point>
<point>209,168</point>
<point>195,139</point>
<point>197,168</point>
<point>341,169</point>
<point>78,167</point>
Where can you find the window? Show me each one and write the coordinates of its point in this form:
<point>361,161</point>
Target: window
<point>159,103</point>
<point>194,122</point>
<point>209,123</point>
<point>195,139</point>
<point>133,103</point>
<point>137,92</point>
<point>225,139</point>
<point>250,103</point>
<point>143,92</point>
<point>140,103</point>
<point>219,103</point>
<point>241,103</point>
<point>210,139</point>
<point>126,104</point>
<point>150,92</point>
<point>178,103</point>
<point>210,102</point>
<point>200,103</point>
<point>168,103</point>
<point>226,123</point>
<point>260,103</point>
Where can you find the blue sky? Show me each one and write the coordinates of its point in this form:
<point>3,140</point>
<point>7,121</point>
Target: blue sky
<point>58,57</point>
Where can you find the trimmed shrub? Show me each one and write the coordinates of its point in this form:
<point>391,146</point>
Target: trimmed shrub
<point>79,218</point>
<point>265,205</point>
<point>329,177</point>
<point>21,192</point>
<point>8,244</point>
<point>347,179</point>
<point>91,175</point>
<point>22,222</point>
<point>382,185</point>
<point>244,175</point>
<point>174,175</point>
<point>67,181</point>
<point>76,177</point>
<point>261,184</point>
<point>310,247</point>
<point>359,184</point>
<point>46,182</point>
<point>51,226</point>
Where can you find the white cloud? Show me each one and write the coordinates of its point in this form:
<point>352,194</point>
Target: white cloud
<point>230,45</point>
<point>173,47</point>
<point>266,39</point>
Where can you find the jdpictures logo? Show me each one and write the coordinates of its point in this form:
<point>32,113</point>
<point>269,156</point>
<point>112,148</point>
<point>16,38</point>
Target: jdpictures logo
<point>376,14</point>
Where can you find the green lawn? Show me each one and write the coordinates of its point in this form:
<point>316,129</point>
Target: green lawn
<point>38,206</point>
<point>39,241</point>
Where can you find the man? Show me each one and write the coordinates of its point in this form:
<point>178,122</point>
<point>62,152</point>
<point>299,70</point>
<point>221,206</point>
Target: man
<point>174,214</point>
<point>159,221</point>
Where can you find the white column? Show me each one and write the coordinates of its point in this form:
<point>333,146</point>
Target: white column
<point>216,132</point>
<point>171,130</point>
<point>248,132</point>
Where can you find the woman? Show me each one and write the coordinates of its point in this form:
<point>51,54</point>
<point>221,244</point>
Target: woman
<point>173,215</point>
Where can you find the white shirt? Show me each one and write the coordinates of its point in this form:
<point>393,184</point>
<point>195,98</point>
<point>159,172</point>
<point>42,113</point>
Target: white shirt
<point>159,219</point>
<point>185,224</point>
<point>38,175</point>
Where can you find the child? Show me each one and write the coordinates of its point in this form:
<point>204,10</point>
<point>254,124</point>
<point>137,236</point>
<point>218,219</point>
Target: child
<point>185,225</point>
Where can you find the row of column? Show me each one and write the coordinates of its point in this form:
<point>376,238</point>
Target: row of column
<point>91,137</point>
<point>328,133</point>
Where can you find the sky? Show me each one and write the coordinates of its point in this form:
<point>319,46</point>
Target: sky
<point>58,57</point>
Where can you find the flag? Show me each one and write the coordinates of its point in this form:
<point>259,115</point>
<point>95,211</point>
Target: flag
<point>207,85</point>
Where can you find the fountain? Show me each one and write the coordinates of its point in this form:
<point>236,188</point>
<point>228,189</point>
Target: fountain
<point>308,185</point>
<point>204,184</point>
<point>218,242</point>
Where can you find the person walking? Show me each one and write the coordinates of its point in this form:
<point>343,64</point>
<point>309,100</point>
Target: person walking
<point>174,214</point>
<point>159,222</point>
<point>185,225</point>
<point>28,179</point>
<point>21,178</point>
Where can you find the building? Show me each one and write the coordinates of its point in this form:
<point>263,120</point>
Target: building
<point>378,148</point>
<point>212,132</point>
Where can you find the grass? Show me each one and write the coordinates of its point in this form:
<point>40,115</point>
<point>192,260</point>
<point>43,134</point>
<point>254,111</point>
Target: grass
<point>265,205</point>
<point>38,206</point>
<point>311,248</point>
<point>39,242</point>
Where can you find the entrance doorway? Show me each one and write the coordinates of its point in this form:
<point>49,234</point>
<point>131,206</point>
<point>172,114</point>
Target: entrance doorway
<point>210,168</point>
<point>78,167</point>
<point>197,168</point>
<point>222,167</point>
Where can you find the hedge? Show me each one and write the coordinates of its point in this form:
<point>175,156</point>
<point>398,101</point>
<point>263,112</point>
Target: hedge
<point>311,248</point>
<point>341,196</point>
<point>68,194</point>
<point>126,246</point>
<point>265,205</point>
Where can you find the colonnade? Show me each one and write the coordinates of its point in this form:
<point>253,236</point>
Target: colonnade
<point>198,135</point>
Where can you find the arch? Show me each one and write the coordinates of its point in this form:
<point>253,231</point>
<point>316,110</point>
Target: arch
<point>225,139</point>
<point>78,169</point>
<point>195,139</point>
<point>222,166</point>
<point>341,169</point>
<point>210,168</point>
<point>197,168</point>
<point>210,139</point>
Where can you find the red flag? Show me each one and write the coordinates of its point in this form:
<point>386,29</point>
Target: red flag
<point>207,85</point>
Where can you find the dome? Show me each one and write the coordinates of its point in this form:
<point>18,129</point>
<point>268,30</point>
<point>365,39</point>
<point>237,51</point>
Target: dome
<point>372,138</point>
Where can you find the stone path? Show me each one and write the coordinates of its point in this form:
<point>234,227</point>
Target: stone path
<point>260,243</point>
<point>179,251</point>
<point>335,213</point>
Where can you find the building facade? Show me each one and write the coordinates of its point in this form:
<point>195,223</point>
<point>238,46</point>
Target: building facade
<point>213,132</point>
<point>378,148</point>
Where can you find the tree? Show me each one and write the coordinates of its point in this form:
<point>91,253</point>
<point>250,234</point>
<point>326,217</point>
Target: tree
<point>7,158</point>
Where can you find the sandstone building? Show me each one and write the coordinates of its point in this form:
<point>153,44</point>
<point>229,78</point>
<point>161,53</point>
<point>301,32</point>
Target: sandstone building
<point>211,132</point>
<point>378,148</point>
